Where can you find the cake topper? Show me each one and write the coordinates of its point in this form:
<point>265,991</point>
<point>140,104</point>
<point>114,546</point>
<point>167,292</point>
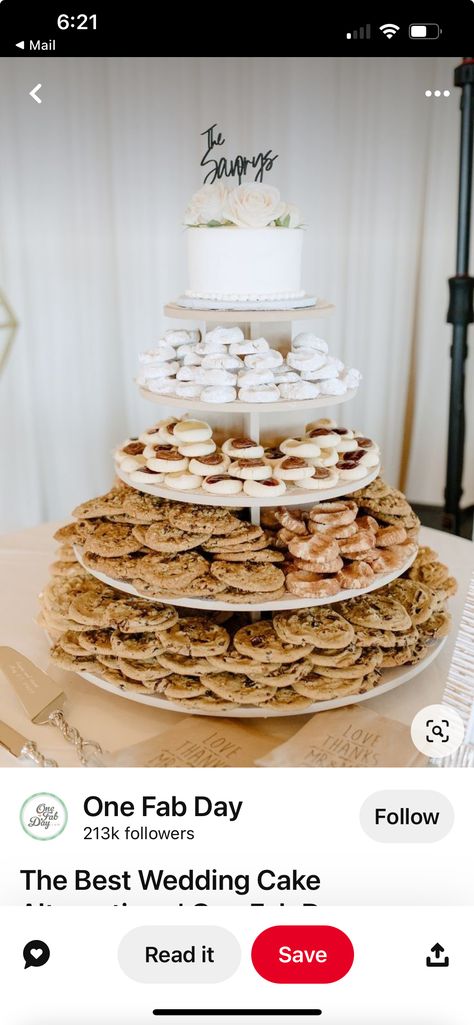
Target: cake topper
<point>235,167</point>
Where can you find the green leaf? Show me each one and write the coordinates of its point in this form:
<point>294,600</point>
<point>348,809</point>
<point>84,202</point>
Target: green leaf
<point>214,224</point>
<point>283,222</point>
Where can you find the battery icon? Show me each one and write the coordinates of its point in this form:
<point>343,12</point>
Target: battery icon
<point>427,31</point>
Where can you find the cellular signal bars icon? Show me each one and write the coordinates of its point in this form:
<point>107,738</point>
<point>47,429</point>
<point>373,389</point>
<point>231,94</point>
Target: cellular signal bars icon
<point>363,32</point>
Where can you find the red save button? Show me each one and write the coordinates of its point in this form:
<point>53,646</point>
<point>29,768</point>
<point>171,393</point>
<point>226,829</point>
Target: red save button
<point>302,954</point>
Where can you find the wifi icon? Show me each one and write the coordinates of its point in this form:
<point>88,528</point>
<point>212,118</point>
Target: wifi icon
<point>389,30</point>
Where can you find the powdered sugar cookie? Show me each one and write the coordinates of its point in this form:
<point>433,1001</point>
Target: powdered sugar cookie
<point>327,371</point>
<point>220,361</point>
<point>188,390</point>
<point>298,390</point>
<point>180,336</point>
<point>249,347</point>
<point>254,378</point>
<point>264,360</point>
<point>159,385</point>
<point>305,359</point>
<point>332,386</point>
<point>283,375</point>
<point>308,340</point>
<point>193,375</point>
<point>242,447</point>
<point>218,393</point>
<point>225,335</point>
<point>260,393</point>
<point>158,371</point>
<point>159,354</point>
<point>210,346</point>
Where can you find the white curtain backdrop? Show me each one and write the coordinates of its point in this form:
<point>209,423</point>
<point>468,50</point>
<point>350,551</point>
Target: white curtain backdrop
<point>93,184</point>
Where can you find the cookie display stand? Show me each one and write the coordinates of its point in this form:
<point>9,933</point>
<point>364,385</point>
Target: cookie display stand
<point>260,421</point>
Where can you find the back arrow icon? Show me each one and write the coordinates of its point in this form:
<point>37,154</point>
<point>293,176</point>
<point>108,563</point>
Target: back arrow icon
<point>34,92</point>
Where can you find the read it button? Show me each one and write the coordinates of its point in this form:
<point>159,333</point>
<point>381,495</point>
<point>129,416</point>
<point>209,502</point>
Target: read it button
<point>302,954</point>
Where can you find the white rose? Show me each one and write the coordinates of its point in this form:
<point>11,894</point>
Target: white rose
<point>253,205</point>
<point>293,213</point>
<point>206,205</point>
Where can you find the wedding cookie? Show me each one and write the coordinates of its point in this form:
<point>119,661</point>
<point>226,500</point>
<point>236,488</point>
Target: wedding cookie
<point>298,390</point>
<point>307,340</point>
<point>225,335</point>
<point>260,393</point>
<point>264,360</point>
<point>218,393</point>
<point>181,336</point>
<point>305,359</point>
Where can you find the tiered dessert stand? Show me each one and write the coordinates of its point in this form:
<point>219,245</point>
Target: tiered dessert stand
<point>261,422</point>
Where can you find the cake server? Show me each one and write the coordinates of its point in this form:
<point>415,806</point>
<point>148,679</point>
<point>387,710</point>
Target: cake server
<point>43,701</point>
<point>18,745</point>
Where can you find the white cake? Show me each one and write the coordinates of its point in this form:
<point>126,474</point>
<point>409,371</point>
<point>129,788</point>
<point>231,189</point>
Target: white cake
<point>244,244</point>
<point>259,264</point>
